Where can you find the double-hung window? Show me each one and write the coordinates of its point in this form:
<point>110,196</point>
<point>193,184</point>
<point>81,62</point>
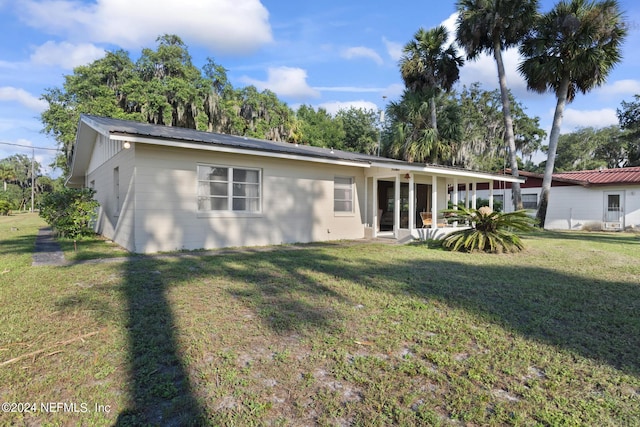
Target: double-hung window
<point>229,189</point>
<point>342,195</point>
<point>530,201</point>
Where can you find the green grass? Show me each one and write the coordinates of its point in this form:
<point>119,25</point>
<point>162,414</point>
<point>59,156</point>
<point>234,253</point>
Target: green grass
<point>328,334</point>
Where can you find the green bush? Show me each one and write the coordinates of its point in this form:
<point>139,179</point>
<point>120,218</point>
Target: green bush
<point>5,207</point>
<point>69,211</point>
<point>480,202</point>
<point>489,231</point>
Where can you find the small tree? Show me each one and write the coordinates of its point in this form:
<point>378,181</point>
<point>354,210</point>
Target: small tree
<point>69,211</point>
<point>489,231</point>
<point>5,207</point>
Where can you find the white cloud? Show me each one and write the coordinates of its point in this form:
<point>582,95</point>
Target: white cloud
<point>362,52</point>
<point>349,89</point>
<point>225,26</point>
<point>485,71</point>
<point>450,25</point>
<point>574,119</point>
<point>66,55</point>
<point>394,91</point>
<point>393,49</point>
<point>335,106</point>
<point>285,81</point>
<point>619,87</point>
<point>9,93</point>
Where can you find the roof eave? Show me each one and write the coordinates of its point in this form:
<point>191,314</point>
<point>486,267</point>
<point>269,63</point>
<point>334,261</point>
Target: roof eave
<point>120,136</point>
<point>484,176</point>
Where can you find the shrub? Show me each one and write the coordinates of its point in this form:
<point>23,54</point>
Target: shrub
<point>480,202</point>
<point>5,207</point>
<point>69,211</point>
<point>489,231</point>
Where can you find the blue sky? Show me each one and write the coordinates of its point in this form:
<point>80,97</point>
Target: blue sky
<point>329,54</point>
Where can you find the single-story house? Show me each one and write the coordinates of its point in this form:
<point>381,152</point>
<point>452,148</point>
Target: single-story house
<point>164,188</point>
<point>601,199</point>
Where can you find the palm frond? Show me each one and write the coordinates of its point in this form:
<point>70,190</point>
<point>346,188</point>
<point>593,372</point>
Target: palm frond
<point>489,231</point>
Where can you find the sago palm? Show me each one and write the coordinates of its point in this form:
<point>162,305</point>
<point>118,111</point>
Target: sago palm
<point>488,231</point>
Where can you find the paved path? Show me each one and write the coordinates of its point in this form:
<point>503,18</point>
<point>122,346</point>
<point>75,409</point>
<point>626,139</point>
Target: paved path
<point>47,250</point>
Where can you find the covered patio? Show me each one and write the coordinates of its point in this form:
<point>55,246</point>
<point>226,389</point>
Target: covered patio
<point>398,198</point>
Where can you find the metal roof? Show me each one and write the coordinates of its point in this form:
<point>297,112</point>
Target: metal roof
<point>629,175</point>
<point>127,127</point>
<point>115,128</point>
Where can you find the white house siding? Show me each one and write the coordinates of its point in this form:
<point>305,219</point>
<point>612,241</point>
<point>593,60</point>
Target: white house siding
<point>297,202</point>
<point>576,207</point>
<point>114,222</point>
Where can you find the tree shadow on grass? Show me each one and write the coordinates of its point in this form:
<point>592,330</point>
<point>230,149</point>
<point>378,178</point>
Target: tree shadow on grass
<point>17,245</point>
<point>159,389</point>
<point>285,287</point>
<point>293,291</point>
<point>597,319</point>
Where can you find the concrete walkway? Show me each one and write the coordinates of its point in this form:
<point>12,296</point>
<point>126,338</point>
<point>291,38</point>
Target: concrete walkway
<point>47,250</point>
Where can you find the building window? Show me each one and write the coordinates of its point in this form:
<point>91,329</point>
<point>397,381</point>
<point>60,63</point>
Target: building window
<point>530,201</point>
<point>222,188</point>
<point>343,195</point>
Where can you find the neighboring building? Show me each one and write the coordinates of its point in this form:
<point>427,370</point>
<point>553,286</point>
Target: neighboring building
<point>602,199</point>
<point>163,188</point>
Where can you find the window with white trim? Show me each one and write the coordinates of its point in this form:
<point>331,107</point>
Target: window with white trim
<point>343,195</point>
<point>230,189</point>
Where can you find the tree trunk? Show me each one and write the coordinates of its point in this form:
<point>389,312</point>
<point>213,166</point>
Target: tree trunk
<point>508,124</point>
<point>563,90</point>
<point>434,118</point>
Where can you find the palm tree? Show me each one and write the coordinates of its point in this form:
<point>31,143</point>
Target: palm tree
<point>7,173</point>
<point>413,137</point>
<point>429,65</point>
<point>491,26</point>
<point>573,48</point>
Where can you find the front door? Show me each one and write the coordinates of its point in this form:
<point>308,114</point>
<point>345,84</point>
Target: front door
<point>614,209</point>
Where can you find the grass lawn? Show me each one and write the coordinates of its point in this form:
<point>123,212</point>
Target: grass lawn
<point>331,334</point>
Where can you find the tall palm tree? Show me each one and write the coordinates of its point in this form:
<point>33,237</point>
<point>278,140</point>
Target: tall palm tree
<point>491,26</point>
<point>573,48</point>
<point>428,65</point>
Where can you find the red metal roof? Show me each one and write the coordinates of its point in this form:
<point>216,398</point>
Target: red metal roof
<point>629,175</point>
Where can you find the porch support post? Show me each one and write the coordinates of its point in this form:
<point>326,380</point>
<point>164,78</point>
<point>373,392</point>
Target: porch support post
<point>366,206</point>
<point>466,197</point>
<point>396,208</point>
<point>412,204</point>
<point>491,194</point>
<point>455,198</point>
<point>474,197</point>
<point>374,210</point>
<point>434,201</point>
